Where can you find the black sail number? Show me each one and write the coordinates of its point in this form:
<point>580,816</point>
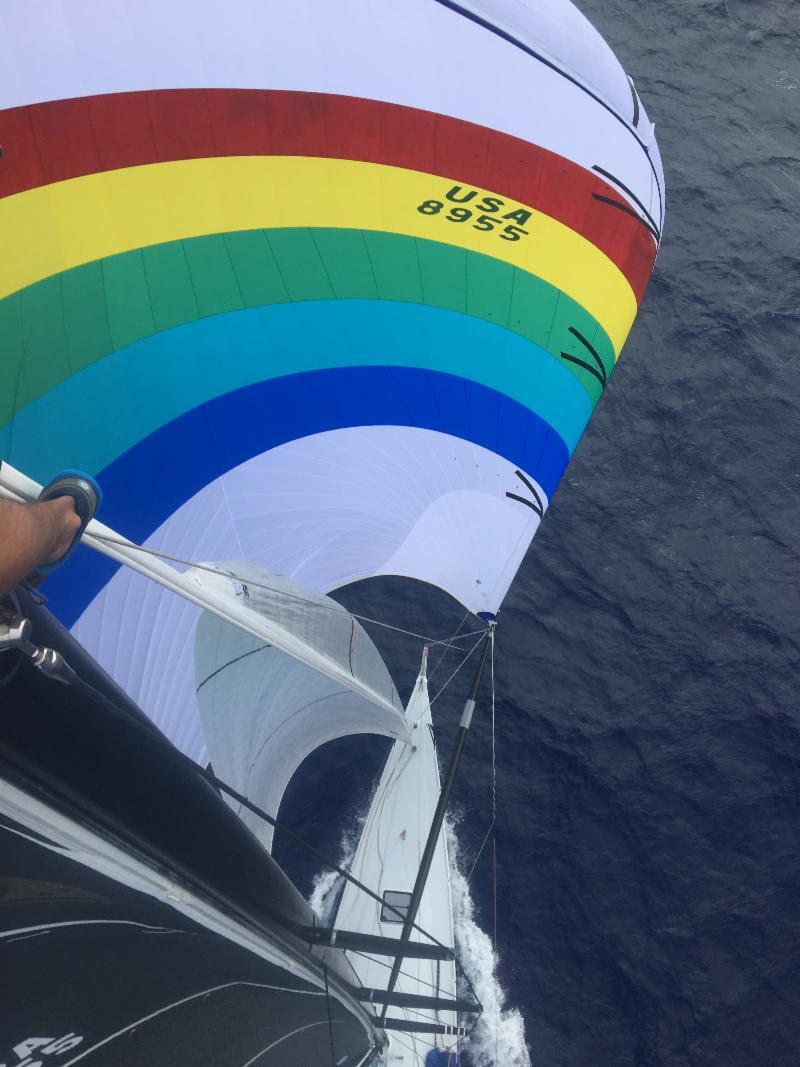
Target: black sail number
<point>489,214</point>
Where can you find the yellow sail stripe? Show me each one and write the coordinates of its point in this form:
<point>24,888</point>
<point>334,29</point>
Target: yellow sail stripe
<point>56,227</point>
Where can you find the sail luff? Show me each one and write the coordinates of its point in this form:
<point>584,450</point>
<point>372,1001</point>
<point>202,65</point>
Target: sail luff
<point>17,486</point>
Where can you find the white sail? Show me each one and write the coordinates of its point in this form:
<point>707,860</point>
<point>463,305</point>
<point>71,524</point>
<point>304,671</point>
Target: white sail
<point>263,712</point>
<point>387,859</point>
<point>309,627</point>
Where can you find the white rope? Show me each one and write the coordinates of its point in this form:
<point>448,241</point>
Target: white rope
<point>461,664</point>
<point>449,645</point>
<point>480,852</point>
<point>494,761</point>
<point>447,642</point>
<point>493,821</point>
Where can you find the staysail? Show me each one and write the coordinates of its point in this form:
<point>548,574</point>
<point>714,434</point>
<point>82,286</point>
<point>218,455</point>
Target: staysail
<point>261,712</point>
<point>293,305</point>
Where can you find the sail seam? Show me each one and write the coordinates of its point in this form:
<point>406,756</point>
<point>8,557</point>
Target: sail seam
<point>230,663</point>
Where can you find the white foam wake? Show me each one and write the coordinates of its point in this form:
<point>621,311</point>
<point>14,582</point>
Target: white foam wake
<point>499,1037</point>
<point>327,885</point>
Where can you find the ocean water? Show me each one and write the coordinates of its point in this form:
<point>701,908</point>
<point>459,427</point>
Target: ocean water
<point>648,663</point>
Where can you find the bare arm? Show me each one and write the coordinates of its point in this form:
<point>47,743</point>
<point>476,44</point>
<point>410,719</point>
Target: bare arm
<point>32,535</point>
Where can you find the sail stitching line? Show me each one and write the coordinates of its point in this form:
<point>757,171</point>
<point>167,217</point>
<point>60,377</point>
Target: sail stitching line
<point>230,663</point>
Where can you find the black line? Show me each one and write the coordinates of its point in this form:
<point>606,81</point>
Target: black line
<point>548,63</point>
<point>230,663</point>
<point>591,349</point>
<point>523,500</point>
<point>585,365</point>
<point>525,481</point>
<point>328,1006</point>
<point>635,96</point>
<point>621,185</point>
<point>628,211</point>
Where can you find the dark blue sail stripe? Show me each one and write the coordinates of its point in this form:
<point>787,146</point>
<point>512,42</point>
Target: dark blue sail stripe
<point>186,454</point>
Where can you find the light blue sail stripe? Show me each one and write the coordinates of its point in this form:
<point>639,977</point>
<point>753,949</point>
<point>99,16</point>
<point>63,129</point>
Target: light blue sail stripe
<point>100,413</point>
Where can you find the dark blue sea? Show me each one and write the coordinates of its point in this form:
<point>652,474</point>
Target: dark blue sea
<point>648,656</point>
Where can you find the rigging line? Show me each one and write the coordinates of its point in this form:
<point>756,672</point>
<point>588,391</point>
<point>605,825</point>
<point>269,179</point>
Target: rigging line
<point>494,759</point>
<point>476,1018</point>
<point>494,840</point>
<point>422,981</point>
<point>328,1006</point>
<point>124,543</point>
<point>410,1048</point>
<point>494,903</point>
<point>405,974</point>
<point>421,1013</point>
<point>480,851</point>
<point>449,645</point>
<point>458,668</point>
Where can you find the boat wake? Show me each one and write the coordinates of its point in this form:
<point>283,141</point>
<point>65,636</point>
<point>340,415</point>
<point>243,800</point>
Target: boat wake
<point>499,1036</point>
<point>327,885</point>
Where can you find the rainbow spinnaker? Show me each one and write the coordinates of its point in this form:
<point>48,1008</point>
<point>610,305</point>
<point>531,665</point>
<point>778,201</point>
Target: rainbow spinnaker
<point>332,288</point>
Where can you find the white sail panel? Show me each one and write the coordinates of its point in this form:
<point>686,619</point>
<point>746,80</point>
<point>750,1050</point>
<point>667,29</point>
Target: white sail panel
<point>262,712</point>
<point>560,32</point>
<point>344,505</point>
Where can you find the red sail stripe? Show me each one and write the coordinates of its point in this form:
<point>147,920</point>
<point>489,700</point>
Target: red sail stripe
<point>63,139</point>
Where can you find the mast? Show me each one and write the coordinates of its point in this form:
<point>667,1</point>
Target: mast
<point>438,817</point>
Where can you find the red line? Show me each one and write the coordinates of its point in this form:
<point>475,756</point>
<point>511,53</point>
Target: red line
<point>497,977</point>
<point>64,139</point>
<point>494,891</point>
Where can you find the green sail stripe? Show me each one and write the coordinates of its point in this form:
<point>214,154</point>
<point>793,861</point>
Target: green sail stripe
<point>57,327</point>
